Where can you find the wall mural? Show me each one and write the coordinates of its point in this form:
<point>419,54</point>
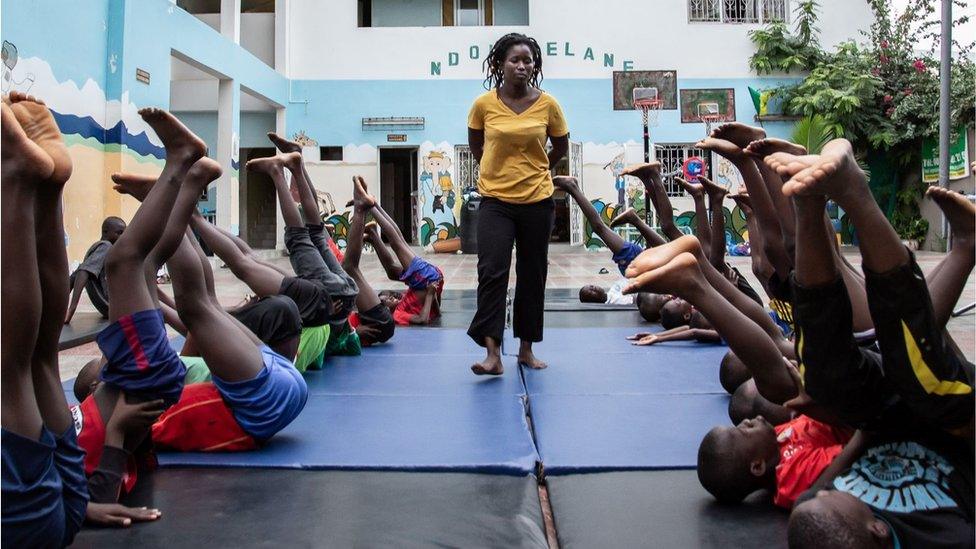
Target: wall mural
<point>736,232</point>
<point>439,197</point>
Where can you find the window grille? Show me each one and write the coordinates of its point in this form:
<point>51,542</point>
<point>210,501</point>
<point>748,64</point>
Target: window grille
<point>738,11</point>
<point>672,157</point>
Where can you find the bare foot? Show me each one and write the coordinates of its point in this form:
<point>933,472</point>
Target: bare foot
<point>765,147</point>
<point>712,189</point>
<point>39,126</point>
<point>694,189</point>
<point>180,143</point>
<point>23,160</point>
<point>645,172</point>
<point>528,359</point>
<point>204,171</point>
<point>744,202</point>
<point>834,174</point>
<point>658,256</point>
<point>292,161</point>
<point>272,165</point>
<point>626,217</point>
<point>959,211</point>
<point>724,148</point>
<point>681,276</point>
<point>490,366</point>
<point>786,164</point>
<point>566,183</point>
<point>136,186</point>
<point>371,232</point>
<point>738,133</point>
<point>361,199</point>
<point>283,144</point>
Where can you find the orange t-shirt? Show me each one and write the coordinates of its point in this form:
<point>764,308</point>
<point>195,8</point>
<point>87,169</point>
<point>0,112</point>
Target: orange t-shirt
<point>806,448</point>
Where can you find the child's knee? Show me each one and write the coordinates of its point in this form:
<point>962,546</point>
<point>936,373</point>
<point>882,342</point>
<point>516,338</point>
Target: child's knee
<point>124,257</point>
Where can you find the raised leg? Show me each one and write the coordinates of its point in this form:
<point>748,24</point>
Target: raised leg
<point>362,202</point>
<point>262,280</point>
<point>609,237</point>
<point>716,195</point>
<point>702,228</point>
<point>398,244</point>
<point>629,216</point>
<point>947,284</point>
<point>650,176</point>
<point>389,262</point>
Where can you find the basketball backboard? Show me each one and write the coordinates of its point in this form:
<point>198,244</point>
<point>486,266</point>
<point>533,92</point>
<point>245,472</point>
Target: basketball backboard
<point>624,82</point>
<point>717,104</point>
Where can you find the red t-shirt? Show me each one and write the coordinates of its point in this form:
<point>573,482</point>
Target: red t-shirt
<point>806,448</point>
<point>91,438</point>
<point>413,304</point>
<point>200,422</point>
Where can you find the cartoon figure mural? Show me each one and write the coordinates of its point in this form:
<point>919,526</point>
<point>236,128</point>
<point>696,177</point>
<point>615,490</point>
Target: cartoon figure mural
<point>440,205</point>
<point>9,56</point>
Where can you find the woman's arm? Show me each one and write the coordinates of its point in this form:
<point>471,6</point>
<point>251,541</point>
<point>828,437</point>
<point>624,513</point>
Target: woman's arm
<point>560,146</point>
<point>476,141</point>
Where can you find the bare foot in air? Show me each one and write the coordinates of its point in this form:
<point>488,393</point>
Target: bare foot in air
<point>204,171</point>
<point>694,189</point>
<point>738,133</point>
<point>371,233</point>
<point>566,183</point>
<point>835,174</point>
<point>134,185</point>
<point>626,217</point>
<point>647,173</point>
<point>528,359</point>
<point>273,165</point>
<point>681,276</point>
<point>959,211</point>
<point>180,143</point>
<point>786,164</point>
<point>39,126</point>
<point>24,161</point>
<point>361,199</point>
<point>764,147</point>
<point>658,256</point>
<point>712,189</point>
<point>743,201</point>
<point>490,366</point>
<point>283,144</point>
<point>727,149</point>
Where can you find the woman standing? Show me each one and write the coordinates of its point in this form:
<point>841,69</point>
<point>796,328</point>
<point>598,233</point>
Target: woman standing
<point>507,130</point>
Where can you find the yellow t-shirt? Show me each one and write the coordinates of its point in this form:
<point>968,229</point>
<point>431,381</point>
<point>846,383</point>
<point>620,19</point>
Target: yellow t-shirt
<point>514,166</point>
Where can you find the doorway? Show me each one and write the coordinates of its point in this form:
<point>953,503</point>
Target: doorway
<point>398,188</point>
<point>258,202</point>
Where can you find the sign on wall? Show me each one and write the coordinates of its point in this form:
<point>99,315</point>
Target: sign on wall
<point>958,156</point>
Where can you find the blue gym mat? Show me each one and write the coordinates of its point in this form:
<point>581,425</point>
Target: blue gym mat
<point>568,342</point>
<point>592,433</point>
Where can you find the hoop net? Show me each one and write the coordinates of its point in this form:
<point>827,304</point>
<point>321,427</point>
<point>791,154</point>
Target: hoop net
<point>708,120</point>
<point>650,110</point>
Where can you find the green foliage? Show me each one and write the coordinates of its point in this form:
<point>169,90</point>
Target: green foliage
<point>813,132</point>
<point>906,219</point>
<point>779,50</point>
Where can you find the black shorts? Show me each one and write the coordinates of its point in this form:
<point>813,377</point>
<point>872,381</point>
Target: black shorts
<point>313,301</point>
<point>274,319</point>
<point>837,372</point>
<point>743,285</point>
<point>378,317</point>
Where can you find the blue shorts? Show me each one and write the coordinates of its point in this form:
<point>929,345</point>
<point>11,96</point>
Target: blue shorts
<point>45,492</point>
<point>269,402</point>
<point>140,359</point>
<point>420,274</point>
<point>626,255</point>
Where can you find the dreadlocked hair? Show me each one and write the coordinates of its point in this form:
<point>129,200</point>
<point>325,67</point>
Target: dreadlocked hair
<point>495,61</point>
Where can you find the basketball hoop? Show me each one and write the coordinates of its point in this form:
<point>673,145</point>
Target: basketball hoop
<point>709,113</point>
<point>650,111</point>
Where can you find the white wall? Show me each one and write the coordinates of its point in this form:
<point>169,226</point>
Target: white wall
<point>257,33</point>
<point>326,42</point>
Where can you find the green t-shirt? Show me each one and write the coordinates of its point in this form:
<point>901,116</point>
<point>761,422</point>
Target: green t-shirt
<point>344,342</point>
<point>196,369</point>
<point>311,348</point>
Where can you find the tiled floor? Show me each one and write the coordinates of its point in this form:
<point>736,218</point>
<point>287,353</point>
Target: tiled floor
<point>569,267</point>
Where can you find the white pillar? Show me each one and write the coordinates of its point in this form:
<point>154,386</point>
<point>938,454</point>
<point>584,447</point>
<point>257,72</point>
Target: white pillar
<point>230,20</point>
<point>228,154</point>
<point>281,37</point>
<point>280,129</point>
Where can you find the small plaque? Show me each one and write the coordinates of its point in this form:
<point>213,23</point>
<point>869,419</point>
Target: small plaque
<point>142,76</point>
<point>396,137</point>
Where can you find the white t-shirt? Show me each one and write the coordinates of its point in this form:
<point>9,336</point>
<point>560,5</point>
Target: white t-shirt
<point>615,295</point>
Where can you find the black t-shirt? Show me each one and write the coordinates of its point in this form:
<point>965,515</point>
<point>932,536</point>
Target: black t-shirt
<point>923,491</point>
<point>94,265</point>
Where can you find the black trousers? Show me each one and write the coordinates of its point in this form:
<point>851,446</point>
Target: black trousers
<point>528,227</point>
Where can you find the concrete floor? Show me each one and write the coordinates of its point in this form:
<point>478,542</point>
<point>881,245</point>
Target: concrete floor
<point>569,267</point>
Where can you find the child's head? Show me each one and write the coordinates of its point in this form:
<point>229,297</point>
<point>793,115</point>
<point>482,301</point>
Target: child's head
<point>746,402</point>
<point>592,294</point>
<point>112,228</point>
<point>735,461</point>
<point>732,372</point>
<point>650,304</point>
<point>834,519</point>
<point>390,298</point>
<point>678,312</point>
<point>87,379</point>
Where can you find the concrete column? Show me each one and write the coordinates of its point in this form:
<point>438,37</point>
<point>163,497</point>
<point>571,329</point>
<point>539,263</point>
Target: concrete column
<point>230,20</point>
<point>282,130</point>
<point>228,154</point>
<point>281,36</point>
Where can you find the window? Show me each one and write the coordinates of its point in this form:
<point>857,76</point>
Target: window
<point>672,157</point>
<point>444,13</point>
<point>330,153</point>
<point>738,11</point>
